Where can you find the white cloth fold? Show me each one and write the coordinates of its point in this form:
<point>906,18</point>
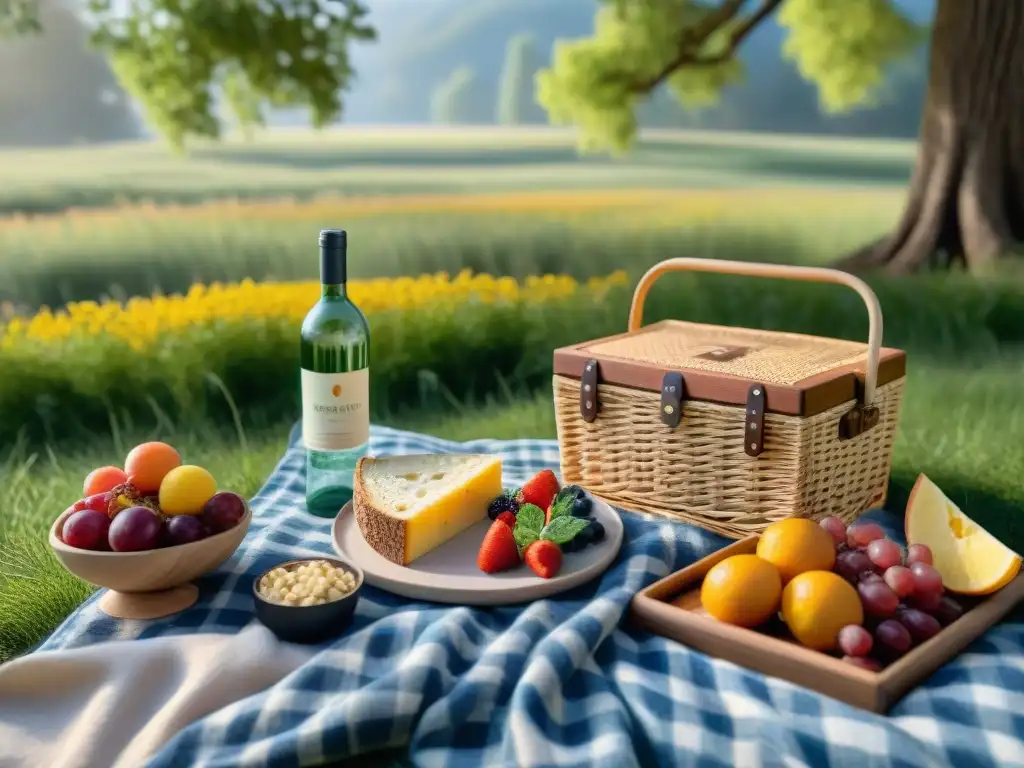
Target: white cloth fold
<point>113,704</point>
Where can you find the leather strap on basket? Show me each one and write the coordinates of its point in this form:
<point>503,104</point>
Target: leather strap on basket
<point>673,391</point>
<point>864,415</point>
<point>588,391</point>
<point>753,426</point>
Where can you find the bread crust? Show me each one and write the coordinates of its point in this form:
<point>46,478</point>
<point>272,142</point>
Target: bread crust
<point>386,534</point>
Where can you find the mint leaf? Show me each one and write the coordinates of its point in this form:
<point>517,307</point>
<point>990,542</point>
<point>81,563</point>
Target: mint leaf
<point>562,530</point>
<point>530,518</point>
<point>524,537</point>
<point>562,507</point>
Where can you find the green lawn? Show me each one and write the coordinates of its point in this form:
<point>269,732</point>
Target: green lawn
<point>363,161</point>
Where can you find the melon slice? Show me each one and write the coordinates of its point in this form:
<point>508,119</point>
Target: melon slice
<point>970,559</point>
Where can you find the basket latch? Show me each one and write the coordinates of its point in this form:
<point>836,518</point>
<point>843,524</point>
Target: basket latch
<point>673,391</point>
<point>588,391</point>
<point>859,419</point>
<point>753,426</point>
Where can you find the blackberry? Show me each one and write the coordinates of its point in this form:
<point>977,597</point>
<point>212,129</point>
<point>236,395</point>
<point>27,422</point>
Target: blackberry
<point>509,501</point>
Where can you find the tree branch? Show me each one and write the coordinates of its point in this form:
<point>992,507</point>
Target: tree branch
<point>691,40</point>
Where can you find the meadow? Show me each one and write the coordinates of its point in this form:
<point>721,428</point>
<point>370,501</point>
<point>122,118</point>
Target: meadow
<point>213,370</point>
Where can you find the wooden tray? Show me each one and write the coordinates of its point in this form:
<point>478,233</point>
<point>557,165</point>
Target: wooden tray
<point>671,607</point>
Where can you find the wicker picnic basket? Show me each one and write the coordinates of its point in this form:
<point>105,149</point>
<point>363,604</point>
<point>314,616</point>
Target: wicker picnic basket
<point>730,429</point>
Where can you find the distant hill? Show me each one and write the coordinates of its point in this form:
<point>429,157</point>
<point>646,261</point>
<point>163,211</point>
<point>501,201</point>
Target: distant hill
<point>421,42</point>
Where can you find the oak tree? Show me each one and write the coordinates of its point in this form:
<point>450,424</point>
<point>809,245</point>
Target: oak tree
<point>174,57</point>
<point>965,202</point>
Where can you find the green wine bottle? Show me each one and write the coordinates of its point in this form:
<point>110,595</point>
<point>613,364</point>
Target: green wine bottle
<point>335,370</point>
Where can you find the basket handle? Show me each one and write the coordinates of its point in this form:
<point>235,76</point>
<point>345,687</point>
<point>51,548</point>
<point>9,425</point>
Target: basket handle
<point>755,269</point>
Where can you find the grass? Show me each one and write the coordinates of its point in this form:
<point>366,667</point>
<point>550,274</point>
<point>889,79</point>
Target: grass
<point>390,160</point>
<point>131,251</point>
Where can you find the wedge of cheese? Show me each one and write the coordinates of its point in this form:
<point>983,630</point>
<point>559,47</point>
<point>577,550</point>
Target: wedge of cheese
<point>407,506</point>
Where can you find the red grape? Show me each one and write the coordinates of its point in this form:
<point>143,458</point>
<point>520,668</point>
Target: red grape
<point>885,553</point>
<point>920,624</point>
<point>854,640</point>
<point>223,511</point>
<point>949,610</point>
<point>867,576</point>
<point>86,529</point>
<point>928,602</point>
<point>184,529</point>
<point>98,502</point>
<point>835,527</point>
<point>852,563</point>
<point>900,580</point>
<point>862,534</point>
<point>919,553</point>
<point>893,637</point>
<point>926,579</point>
<point>864,663</point>
<point>877,598</point>
<point>135,529</point>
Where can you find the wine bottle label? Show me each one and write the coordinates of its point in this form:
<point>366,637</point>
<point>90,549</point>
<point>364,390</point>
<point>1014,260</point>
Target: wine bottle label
<point>335,409</point>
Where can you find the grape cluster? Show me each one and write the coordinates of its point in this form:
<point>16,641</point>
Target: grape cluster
<point>902,594</point>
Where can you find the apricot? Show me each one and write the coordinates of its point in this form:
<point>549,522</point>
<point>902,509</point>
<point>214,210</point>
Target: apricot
<point>102,480</point>
<point>147,465</point>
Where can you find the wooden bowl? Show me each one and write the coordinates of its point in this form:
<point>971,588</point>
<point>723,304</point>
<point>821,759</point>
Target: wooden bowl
<point>155,582</point>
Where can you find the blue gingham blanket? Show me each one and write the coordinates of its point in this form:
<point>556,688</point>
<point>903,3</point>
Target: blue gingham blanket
<point>558,682</point>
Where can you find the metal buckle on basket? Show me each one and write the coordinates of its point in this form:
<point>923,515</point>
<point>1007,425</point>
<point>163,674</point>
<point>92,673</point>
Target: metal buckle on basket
<point>673,391</point>
<point>753,423</point>
<point>588,390</point>
<point>858,419</point>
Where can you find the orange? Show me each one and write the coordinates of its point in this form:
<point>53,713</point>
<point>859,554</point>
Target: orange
<point>816,605</point>
<point>185,490</point>
<point>146,465</point>
<point>102,480</point>
<point>797,545</point>
<point>970,560</point>
<point>742,590</point>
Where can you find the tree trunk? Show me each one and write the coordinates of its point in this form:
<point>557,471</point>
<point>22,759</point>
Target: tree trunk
<point>965,203</point>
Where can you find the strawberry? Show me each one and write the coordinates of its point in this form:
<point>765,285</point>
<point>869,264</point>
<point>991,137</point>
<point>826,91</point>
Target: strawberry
<point>508,518</point>
<point>541,489</point>
<point>498,552</point>
<point>544,558</point>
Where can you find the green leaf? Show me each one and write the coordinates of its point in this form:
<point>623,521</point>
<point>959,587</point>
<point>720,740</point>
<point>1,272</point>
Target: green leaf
<point>530,518</point>
<point>562,506</point>
<point>524,537</point>
<point>563,529</point>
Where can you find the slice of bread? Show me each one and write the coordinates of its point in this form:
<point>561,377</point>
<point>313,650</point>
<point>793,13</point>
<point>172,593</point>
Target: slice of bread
<point>407,506</point>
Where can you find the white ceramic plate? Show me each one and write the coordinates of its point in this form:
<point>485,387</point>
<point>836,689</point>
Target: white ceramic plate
<point>449,574</point>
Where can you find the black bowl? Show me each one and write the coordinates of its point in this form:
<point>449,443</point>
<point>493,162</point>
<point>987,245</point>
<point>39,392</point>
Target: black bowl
<point>308,623</point>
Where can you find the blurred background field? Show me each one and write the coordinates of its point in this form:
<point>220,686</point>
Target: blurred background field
<point>145,294</point>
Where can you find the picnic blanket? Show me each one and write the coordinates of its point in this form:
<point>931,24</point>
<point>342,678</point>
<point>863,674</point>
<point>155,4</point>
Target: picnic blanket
<point>558,682</point>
